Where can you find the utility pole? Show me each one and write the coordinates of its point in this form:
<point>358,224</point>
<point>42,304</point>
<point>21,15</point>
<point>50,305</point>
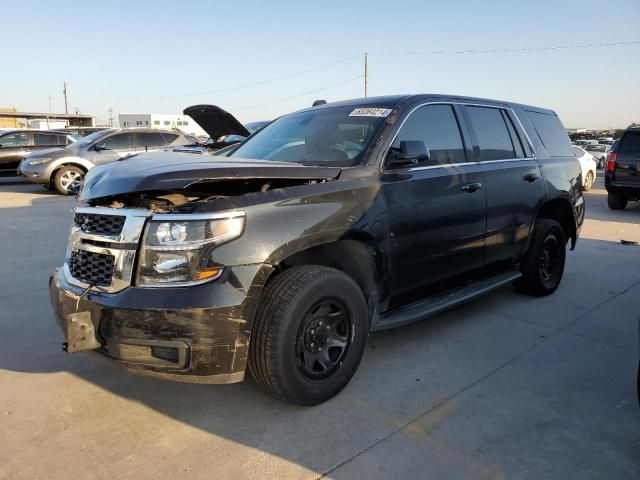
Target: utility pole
<point>50,111</point>
<point>110,117</point>
<point>66,103</point>
<point>366,76</point>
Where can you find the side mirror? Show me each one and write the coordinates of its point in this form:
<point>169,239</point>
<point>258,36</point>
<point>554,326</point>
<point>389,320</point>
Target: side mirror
<point>100,146</point>
<point>411,152</point>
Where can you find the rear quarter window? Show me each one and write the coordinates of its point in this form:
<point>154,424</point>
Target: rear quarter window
<point>551,133</point>
<point>630,143</point>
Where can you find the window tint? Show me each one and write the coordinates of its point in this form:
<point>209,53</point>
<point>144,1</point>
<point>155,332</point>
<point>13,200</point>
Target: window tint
<point>551,133</point>
<point>492,133</point>
<point>150,139</point>
<point>516,141</point>
<point>169,137</point>
<point>578,152</point>
<point>167,122</point>
<point>630,143</point>
<point>49,139</point>
<point>119,141</point>
<point>14,140</point>
<point>156,122</point>
<point>437,126</point>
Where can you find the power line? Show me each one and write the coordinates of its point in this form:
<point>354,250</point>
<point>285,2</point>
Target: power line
<point>270,80</point>
<point>301,94</point>
<point>511,50</point>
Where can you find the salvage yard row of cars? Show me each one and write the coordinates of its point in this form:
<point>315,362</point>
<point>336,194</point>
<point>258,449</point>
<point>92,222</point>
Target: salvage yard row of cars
<point>280,254</point>
<point>60,159</point>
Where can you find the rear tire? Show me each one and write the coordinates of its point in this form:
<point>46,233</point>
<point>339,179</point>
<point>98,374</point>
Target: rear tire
<point>588,181</point>
<point>616,202</point>
<point>543,264</point>
<point>66,177</point>
<point>309,334</point>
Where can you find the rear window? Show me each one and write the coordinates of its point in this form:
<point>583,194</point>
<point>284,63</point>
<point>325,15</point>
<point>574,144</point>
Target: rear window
<point>630,143</point>
<point>551,133</point>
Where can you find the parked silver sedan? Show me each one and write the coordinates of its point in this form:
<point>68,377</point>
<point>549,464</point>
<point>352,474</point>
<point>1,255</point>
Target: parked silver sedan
<point>64,168</point>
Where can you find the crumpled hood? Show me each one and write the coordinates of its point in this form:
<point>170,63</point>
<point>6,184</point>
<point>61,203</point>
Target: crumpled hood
<point>176,171</point>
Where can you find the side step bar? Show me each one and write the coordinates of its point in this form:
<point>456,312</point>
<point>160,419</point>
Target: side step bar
<point>442,301</point>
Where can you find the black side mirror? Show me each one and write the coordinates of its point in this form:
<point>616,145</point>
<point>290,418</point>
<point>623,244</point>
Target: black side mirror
<point>411,152</point>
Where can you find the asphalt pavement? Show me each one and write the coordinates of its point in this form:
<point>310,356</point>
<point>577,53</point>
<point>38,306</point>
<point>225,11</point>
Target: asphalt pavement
<point>507,386</point>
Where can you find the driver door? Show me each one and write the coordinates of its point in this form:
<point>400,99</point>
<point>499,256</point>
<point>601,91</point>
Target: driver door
<point>115,147</point>
<point>436,209</point>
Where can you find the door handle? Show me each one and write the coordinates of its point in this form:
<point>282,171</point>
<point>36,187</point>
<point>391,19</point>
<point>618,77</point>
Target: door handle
<point>471,187</point>
<point>530,177</point>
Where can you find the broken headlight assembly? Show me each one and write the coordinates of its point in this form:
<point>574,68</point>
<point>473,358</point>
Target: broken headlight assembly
<point>176,249</point>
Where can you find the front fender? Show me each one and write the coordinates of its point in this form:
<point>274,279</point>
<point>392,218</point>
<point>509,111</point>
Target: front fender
<point>70,160</point>
<point>277,230</point>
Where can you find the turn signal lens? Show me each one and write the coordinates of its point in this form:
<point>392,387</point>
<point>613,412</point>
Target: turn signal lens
<point>208,273</point>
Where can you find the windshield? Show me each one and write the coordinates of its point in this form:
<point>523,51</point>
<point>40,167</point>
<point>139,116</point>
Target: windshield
<point>253,127</point>
<point>89,139</point>
<point>336,136</point>
<point>597,148</point>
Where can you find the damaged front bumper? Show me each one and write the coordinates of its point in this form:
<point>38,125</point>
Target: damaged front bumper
<point>198,334</point>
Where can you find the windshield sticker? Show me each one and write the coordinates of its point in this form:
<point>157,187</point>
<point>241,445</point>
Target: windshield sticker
<point>370,112</point>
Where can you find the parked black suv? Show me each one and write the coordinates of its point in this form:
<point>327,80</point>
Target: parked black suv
<point>328,224</point>
<point>622,178</point>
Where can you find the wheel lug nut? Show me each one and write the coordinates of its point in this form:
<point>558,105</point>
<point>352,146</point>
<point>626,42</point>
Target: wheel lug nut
<point>312,332</point>
<point>328,327</point>
<point>312,345</point>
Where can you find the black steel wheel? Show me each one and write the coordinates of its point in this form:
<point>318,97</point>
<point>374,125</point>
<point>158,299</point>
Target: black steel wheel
<point>543,264</point>
<point>324,339</point>
<point>309,334</point>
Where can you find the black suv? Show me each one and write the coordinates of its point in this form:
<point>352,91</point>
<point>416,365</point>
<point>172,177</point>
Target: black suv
<point>622,178</point>
<point>328,224</point>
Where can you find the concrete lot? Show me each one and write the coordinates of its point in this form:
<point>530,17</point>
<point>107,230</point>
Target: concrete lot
<point>507,386</point>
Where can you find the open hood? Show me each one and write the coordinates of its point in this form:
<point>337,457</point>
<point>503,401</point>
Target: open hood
<point>215,121</point>
<point>167,171</point>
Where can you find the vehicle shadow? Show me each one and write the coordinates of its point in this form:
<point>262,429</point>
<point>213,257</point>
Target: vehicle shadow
<point>405,372</point>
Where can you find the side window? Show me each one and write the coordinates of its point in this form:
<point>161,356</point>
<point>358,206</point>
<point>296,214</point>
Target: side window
<point>119,141</point>
<point>48,139</point>
<point>492,133</point>
<point>578,152</point>
<point>438,127</point>
<point>516,141</point>
<point>169,137</point>
<point>552,134</point>
<point>14,140</point>
<point>150,139</point>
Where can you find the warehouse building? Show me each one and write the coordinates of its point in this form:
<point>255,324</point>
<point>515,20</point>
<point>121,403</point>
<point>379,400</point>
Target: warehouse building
<point>161,121</point>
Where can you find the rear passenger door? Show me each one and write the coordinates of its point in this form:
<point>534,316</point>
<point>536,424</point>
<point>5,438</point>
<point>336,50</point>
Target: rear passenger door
<point>436,209</point>
<point>514,186</point>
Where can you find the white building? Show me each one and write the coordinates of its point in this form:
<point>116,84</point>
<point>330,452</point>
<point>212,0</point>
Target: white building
<point>161,121</point>
<point>47,124</point>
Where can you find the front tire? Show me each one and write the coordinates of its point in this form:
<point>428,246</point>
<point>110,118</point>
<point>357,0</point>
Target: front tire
<point>616,202</point>
<point>543,264</point>
<point>309,334</point>
<point>67,178</point>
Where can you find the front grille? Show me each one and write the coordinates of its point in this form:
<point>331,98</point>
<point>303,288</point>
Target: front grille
<point>92,268</point>
<point>99,224</point>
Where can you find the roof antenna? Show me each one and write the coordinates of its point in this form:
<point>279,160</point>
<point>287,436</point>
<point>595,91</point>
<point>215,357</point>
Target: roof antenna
<point>319,102</point>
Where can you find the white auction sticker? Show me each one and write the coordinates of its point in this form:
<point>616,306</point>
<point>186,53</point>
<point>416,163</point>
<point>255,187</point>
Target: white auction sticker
<point>370,112</point>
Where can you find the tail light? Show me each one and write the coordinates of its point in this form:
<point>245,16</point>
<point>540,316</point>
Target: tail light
<point>611,162</point>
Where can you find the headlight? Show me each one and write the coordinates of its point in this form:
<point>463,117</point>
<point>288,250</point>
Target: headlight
<point>40,161</point>
<point>177,249</point>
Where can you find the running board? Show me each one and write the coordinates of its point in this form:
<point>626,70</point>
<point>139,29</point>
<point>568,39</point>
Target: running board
<point>442,301</point>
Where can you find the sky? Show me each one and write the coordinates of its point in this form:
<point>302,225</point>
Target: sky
<point>162,56</point>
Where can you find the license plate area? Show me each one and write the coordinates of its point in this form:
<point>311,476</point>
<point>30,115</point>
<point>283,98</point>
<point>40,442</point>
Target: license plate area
<point>80,332</point>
